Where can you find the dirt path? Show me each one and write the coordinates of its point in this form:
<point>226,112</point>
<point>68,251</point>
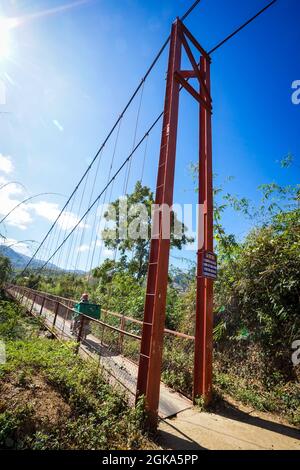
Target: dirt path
<point>232,429</point>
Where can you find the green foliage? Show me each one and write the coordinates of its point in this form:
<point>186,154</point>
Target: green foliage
<point>95,417</point>
<point>11,325</point>
<point>32,281</point>
<point>120,291</point>
<point>11,422</point>
<point>178,364</point>
<point>280,398</point>
<point>124,294</point>
<point>200,403</point>
<point>260,291</point>
<point>256,304</point>
<point>138,203</point>
<point>61,284</point>
<point>287,161</point>
<point>181,279</point>
<point>64,285</point>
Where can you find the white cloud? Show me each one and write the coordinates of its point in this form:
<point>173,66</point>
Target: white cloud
<point>11,187</point>
<point>105,252</point>
<point>51,210</point>
<point>83,248</point>
<point>48,210</point>
<point>20,217</point>
<point>12,195</point>
<point>19,247</point>
<point>6,164</point>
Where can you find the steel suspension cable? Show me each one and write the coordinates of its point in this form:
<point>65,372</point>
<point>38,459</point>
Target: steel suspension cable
<point>126,175</point>
<point>144,158</point>
<point>50,241</point>
<point>234,33</point>
<point>68,217</point>
<point>86,220</point>
<point>134,139</point>
<point>99,223</point>
<point>75,235</point>
<point>104,189</point>
<point>114,259</point>
<point>105,225</point>
<point>160,116</point>
<point>149,70</point>
<point>57,235</point>
<point>24,202</point>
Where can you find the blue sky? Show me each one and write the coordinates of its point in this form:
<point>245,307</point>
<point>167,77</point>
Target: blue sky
<point>69,73</point>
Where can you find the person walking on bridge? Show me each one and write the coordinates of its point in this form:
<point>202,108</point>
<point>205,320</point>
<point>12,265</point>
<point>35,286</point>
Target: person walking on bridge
<point>75,323</point>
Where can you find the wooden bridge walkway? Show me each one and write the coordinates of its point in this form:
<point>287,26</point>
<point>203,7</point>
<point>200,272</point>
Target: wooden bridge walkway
<point>119,369</point>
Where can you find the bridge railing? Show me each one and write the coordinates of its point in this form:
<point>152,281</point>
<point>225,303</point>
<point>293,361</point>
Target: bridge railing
<point>117,333</point>
<point>56,317</point>
<point>123,319</point>
<point>60,307</point>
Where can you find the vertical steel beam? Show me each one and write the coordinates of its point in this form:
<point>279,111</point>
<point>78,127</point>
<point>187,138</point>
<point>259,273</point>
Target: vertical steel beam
<point>121,335</point>
<point>55,313</point>
<point>33,302</point>
<point>204,298</point>
<point>42,306</point>
<point>148,383</point>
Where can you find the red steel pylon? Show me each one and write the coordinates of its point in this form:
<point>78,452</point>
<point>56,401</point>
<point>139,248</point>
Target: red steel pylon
<point>149,373</point>
<point>205,257</point>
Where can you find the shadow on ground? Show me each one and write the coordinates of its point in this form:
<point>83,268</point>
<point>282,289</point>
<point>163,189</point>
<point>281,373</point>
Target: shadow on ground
<point>228,410</point>
<point>181,441</point>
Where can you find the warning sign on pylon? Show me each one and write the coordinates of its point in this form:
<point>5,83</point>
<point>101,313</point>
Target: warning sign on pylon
<point>209,265</point>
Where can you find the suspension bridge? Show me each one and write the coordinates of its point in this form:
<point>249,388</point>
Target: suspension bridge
<point>106,344</point>
<point>74,244</point>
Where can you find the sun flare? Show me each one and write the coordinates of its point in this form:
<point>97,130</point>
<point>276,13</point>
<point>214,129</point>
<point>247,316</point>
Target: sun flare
<point>7,24</point>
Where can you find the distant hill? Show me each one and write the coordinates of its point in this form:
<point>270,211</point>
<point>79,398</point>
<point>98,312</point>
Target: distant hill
<point>182,279</point>
<point>19,261</point>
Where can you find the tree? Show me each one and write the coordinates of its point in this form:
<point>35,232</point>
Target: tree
<point>256,301</point>
<point>257,294</point>
<point>139,203</point>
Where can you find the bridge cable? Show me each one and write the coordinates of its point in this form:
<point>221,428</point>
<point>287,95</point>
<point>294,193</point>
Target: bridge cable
<point>104,202</point>
<point>134,140</point>
<point>127,172</point>
<point>150,68</point>
<point>76,235</point>
<point>154,124</point>
<point>68,217</point>
<point>144,158</point>
<point>86,220</point>
<point>99,223</point>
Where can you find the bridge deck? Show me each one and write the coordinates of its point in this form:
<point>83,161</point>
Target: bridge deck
<point>120,369</point>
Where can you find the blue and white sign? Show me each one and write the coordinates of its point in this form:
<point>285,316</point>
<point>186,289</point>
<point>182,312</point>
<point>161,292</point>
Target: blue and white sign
<point>209,265</point>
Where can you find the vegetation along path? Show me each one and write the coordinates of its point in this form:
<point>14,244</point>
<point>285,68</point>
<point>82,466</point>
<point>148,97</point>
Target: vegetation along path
<point>228,426</point>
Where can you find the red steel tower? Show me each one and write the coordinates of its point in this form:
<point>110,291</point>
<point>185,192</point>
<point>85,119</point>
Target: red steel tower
<point>149,373</point>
